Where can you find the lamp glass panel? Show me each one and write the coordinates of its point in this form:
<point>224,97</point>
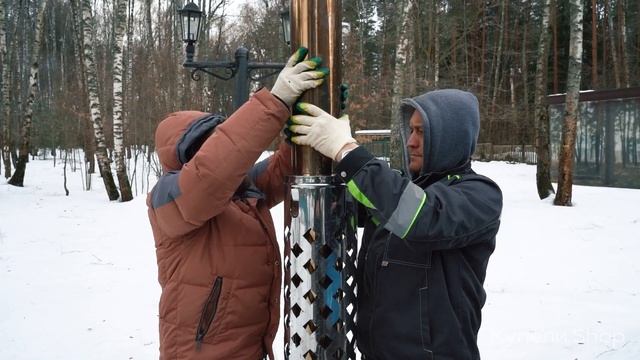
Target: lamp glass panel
<point>185,28</point>
<point>285,21</point>
<point>194,22</point>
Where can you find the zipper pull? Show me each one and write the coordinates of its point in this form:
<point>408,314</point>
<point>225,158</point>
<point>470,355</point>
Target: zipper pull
<point>199,341</point>
<point>385,263</point>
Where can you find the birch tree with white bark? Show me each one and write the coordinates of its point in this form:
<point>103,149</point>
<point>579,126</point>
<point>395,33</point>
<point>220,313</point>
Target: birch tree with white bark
<point>94,102</point>
<point>118,122</point>
<point>6,110</point>
<point>399,77</point>
<point>23,157</point>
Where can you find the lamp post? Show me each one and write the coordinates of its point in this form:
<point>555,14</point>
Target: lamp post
<point>241,68</point>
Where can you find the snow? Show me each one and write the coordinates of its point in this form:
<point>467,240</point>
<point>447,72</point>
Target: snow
<point>78,273</point>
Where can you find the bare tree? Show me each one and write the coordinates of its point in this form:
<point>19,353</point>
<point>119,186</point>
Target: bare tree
<point>436,42</point>
<point>543,173</point>
<point>594,44</point>
<point>94,102</point>
<point>525,80</point>
<point>622,10</point>
<point>118,136</point>
<point>400,69</point>
<point>86,127</point>
<point>6,113</point>
<point>574,75</point>
<point>497,68</point>
<point>614,48</point>
<point>554,28</point>
<point>18,176</point>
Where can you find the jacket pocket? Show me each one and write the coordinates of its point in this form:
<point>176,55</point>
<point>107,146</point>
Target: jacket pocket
<point>425,324</point>
<point>402,252</point>
<point>209,311</point>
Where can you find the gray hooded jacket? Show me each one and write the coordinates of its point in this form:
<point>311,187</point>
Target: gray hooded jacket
<point>427,240</point>
<point>451,122</point>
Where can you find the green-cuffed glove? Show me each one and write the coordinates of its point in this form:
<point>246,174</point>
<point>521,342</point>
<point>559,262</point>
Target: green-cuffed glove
<point>288,134</point>
<point>298,76</point>
<point>344,95</point>
<point>320,130</point>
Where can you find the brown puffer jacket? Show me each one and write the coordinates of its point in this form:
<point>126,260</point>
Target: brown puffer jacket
<point>218,258</point>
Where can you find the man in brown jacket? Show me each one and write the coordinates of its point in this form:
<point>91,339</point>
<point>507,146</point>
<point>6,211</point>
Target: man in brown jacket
<point>218,258</point>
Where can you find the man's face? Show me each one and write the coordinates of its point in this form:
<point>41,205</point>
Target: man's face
<point>414,145</point>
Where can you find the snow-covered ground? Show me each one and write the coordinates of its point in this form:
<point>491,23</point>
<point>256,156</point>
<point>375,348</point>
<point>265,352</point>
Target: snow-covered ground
<point>78,273</point>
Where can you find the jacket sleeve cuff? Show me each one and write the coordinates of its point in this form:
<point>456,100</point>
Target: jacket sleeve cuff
<point>272,102</point>
<point>353,162</point>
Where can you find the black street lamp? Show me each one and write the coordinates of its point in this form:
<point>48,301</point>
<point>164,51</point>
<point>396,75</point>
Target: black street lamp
<point>285,19</point>
<point>190,16</point>
<point>241,68</point>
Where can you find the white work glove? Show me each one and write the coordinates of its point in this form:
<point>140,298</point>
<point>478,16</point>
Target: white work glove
<point>320,130</point>
<point>298,76</point>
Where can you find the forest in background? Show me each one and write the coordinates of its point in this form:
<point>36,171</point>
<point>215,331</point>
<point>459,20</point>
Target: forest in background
<point>488,47</point>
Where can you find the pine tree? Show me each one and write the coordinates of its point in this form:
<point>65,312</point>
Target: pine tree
<point>567,152</point>
<point>543,172</point>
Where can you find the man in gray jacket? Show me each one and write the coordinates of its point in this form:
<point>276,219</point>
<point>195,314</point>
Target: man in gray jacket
<point>427,237</point>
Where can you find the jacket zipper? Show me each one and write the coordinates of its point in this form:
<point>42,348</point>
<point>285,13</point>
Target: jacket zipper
<point>374,286</point>
<point>374,297</point>
<point>373,237</point>
<point>208,312</point>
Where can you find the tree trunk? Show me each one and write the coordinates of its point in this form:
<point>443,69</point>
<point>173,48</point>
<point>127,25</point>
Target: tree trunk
<point>512,89</point>
<point>594,45</point>
<point>554,26</point>
<point>64,172</point>
<point>402,49</point>
<point>496,71</point>
<point>18,176</point>
<point>465,47</point>
<point>524,125</point>
<point>127,73</point>
<point>454,52</point>
<point>543,174</point>
<point>150,39</point>
<point>86,128</point>
<point>498,58</point>
<point>614,48</point>
<point>6,113</point>
<point>436,44</point>
<point>636,136</point>
<point>625,121</point>
<point>147,18</point>
<point>483,51</point>
<point>609,146</point>
<point>574,75</point>
<point>94,102</point>
<point>622,10</point>
<point>118,134</point>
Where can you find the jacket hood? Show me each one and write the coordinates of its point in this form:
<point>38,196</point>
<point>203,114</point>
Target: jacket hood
<point>180,135</point>
<point>451,121</point>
